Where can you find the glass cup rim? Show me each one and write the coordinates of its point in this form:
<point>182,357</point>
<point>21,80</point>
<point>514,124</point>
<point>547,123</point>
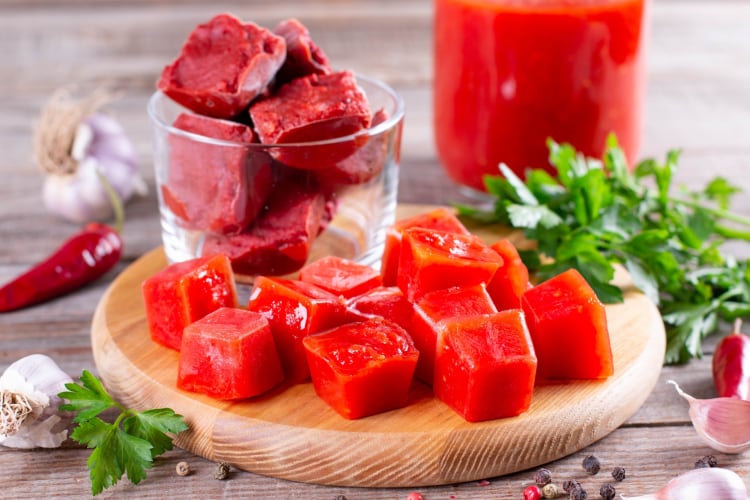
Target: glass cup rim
<point>392,121</point>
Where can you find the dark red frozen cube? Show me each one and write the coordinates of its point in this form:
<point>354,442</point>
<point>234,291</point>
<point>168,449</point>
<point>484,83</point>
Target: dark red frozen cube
<point>485,366</point>
<point>435,312</point>
<point>313,108</point>
<point>184,292</point>
<point>303,56</point>
<point>279,241</point>
<point>223,66</point>
<point>294,310</point>
<point>362,368</point>
<point>215,187</point>
<point>340,276</point>
<point>511,279</point>
<point>229,354</point>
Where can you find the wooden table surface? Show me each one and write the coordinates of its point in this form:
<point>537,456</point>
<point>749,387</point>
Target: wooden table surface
<point>698,100</point>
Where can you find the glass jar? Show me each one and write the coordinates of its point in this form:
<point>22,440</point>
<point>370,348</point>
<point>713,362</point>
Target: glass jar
<point>509,74</point>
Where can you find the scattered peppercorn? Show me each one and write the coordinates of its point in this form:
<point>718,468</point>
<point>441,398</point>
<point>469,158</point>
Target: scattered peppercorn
<point>607,491</point>
<point>550,490</point>
<point>414,496</point>
<point>707,461</point>
<point>591,465</point>
<point>618,474</point>
<point>182,469</point>
<point>340,497</point>
<point>222,471</point>
<point>532,493</point>
<point>578,494</point>
<point>542,476</point>
<point>570,485</point>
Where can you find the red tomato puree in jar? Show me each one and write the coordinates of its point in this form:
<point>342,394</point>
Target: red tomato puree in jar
<point>511,73</point>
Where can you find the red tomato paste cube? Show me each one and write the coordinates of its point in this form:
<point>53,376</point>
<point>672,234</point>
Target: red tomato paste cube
<point>211,187</point>
<point>313,108</point>
<point>511,279</point>
<point>229,354</point>
<point>432,260</point>
<point>568,326</point>
<point>279,241</point>
<point>435,312</point>
<point>303,56</point>
<point>183,293</point>
<point>340,276</point>
<point>295,309</point>
<point>485,366</point>
<point>441,219</point>
<point>362,368</point>
<point>223,65</point>
<point>385,302</point>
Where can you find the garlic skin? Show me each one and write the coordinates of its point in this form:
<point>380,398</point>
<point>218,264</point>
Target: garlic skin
<point>29,406</point>
<point>100,147</point>
<point>722,423</point>
<point>700,484</point>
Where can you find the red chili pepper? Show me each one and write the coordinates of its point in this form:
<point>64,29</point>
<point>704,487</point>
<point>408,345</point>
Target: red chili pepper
<point>80,260</point>
<point>731,365</point>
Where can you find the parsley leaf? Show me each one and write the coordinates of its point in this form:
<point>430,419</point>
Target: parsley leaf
<point>128,445</point>
<point>595,214</point>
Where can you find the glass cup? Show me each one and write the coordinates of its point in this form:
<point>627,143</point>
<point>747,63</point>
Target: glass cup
<point>509,74</point>
<point>272,208</point>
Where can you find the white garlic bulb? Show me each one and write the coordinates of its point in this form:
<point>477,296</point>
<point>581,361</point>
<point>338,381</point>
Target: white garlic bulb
<point>29,404</point>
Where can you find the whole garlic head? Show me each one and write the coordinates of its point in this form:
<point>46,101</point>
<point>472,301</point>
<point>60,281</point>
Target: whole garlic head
<point>29,406</point>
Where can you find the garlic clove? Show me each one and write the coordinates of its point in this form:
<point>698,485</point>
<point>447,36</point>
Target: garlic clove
<point>700,484</point>
<point>29,404</point>
<point>723,423</point>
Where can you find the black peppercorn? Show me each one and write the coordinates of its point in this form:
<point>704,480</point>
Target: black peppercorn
<point>340,497</point>
<point>222,471</point>
<point>591,464</point>
<point>607,491</point>
<point>542,476</point>
<point>570,485</point>
<point>578,494</point>
<point>707,461</point>
<point>618,474</point>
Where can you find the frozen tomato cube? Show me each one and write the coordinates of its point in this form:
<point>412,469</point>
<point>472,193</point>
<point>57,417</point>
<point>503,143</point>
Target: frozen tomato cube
<point>295,309</point>
<point>211,187</point>
<point>432,260</point>
<point>303,56</point>
<point>511,279</point>
<point>568,326</point>
<point>184,292</point>
<point>435,311</point>
<point>279,240</point>
<point>362,368</point>
<point>313,108</point>
<point>485,366</point>
<point>385,302</point>
<point>440,218</point>
<point>229,354</point>
<point>223,65</point>
<point>340,276</point>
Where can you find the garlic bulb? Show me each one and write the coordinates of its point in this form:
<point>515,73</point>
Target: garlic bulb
<point>701,484</point>
<point>29,413</point>
<point>723,423</point>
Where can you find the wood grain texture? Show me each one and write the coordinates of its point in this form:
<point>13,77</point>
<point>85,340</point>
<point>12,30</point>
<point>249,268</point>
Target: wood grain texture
<point>292,434</point>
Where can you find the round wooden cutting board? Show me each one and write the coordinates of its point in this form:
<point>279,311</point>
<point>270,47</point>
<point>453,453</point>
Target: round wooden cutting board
<point>292,434</point>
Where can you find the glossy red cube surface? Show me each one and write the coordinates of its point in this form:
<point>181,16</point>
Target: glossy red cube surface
<point>485,366</point>
<point>340,276</point>
<point>229,354</point>
<point>362,368</point>
<point>184,292</point>
<point>295,309</point>
<point>511,279</point>
<point>568,326</point>
<point>387,302</point>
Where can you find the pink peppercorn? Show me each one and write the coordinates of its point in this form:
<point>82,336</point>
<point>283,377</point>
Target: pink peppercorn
<point>532,493</point>
<point>415,496</point>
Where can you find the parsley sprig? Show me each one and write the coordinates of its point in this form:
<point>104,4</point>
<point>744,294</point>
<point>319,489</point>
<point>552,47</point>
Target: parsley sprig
<point>596,213</point>
<point>126,446</point>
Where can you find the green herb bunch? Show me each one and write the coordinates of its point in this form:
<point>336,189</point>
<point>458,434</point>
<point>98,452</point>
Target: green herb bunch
<point>596,214</point>
<point>126,446</point>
